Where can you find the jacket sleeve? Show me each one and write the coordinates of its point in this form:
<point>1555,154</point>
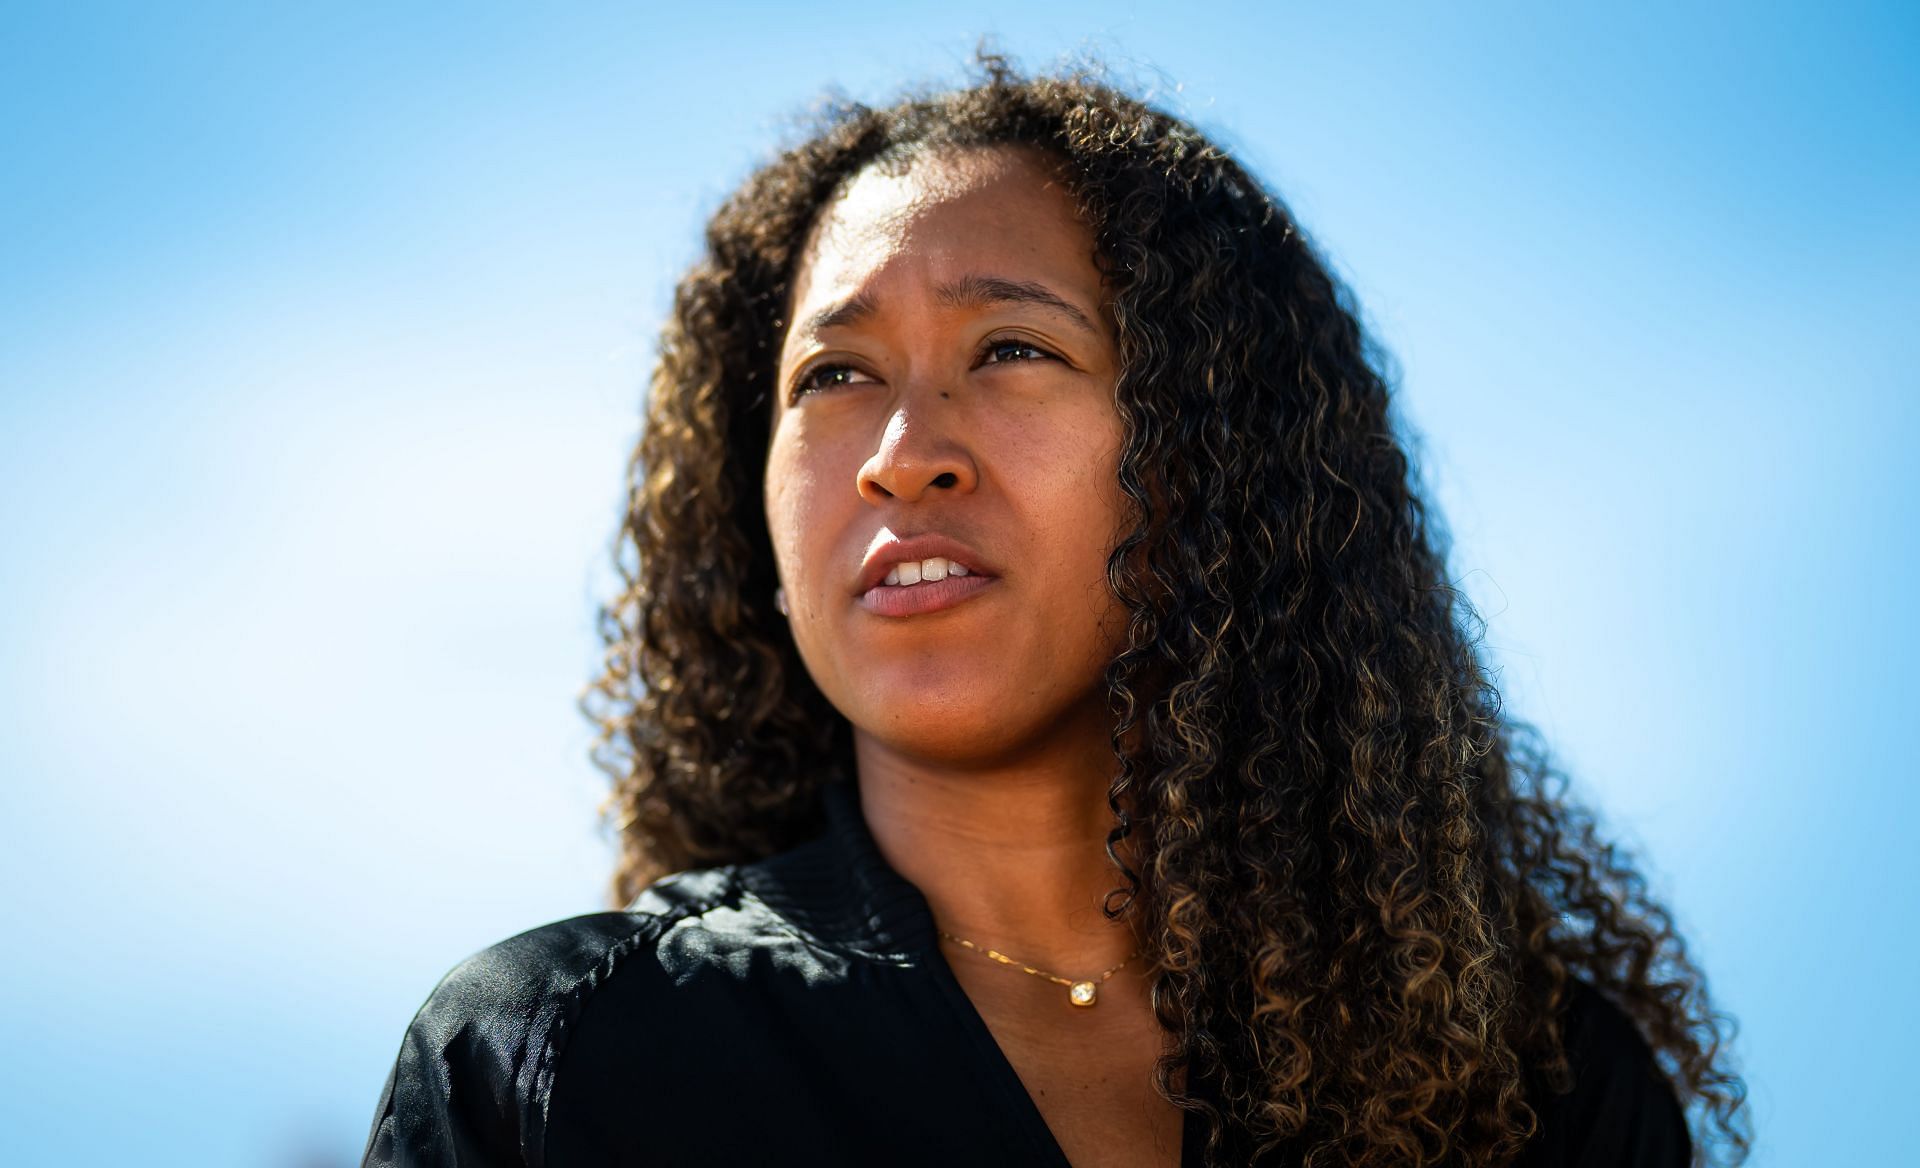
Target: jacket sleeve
<point>1622,1112</point>
<point>475,1069</point>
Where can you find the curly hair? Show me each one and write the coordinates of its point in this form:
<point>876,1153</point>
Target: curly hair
<point>1364,891</point>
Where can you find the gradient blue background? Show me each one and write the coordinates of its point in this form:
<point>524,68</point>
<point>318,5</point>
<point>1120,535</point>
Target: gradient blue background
<point>321,343</point>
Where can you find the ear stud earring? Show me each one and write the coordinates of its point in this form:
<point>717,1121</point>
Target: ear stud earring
<point>780,600</point>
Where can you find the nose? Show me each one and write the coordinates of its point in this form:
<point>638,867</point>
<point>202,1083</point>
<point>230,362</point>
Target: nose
<point>916,454</point>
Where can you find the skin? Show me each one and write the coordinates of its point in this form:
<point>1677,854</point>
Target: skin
<point>981,731</point>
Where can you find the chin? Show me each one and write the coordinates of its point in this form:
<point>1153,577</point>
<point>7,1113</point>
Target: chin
<point>961,729</point>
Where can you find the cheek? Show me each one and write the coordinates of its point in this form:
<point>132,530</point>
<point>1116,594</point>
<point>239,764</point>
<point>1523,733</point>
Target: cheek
<point>782,518</point>
<point>1081,468</point>
<point>1072,492</point>
<point>809,496</point>
<point>791,481</point>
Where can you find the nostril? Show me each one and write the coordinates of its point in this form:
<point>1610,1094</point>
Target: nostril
<point>947,479</point>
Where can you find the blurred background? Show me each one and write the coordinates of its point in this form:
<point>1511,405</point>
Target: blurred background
<point>322,343</point>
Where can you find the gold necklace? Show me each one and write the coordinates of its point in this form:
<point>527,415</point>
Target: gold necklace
<point>1080,993</point>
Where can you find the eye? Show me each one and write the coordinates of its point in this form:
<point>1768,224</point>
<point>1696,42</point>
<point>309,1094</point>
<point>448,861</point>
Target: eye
<point>824,377</point>
<point>1009,350</point>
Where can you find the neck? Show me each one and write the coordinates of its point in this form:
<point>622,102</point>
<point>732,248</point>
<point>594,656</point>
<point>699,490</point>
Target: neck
<point>1011,857</point>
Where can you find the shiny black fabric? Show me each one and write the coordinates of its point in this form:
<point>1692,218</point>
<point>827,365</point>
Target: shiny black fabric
<point>798,1011</point>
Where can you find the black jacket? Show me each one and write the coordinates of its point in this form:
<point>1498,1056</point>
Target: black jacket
<point>798,1011</point>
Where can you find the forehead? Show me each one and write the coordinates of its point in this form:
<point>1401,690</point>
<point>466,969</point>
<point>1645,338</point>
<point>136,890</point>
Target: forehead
<point>945,214</point>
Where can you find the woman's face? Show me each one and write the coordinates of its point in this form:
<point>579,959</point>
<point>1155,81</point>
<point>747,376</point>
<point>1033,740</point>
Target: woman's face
<point>948,375</point>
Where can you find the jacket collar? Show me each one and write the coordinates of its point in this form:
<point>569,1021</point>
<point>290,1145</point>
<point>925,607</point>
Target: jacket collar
<point>839,890</point>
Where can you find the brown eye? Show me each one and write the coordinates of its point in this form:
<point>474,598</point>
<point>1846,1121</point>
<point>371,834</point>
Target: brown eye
<point>1008,351</point>
<point>824,377</point>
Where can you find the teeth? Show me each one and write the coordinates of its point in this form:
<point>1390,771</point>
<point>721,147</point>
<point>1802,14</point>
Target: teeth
<point>928,570</point>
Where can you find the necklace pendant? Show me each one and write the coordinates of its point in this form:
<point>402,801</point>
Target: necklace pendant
<point>1083,993</point>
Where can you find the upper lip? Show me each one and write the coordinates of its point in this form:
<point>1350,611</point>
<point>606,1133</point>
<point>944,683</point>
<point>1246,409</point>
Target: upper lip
<point>900,550</point>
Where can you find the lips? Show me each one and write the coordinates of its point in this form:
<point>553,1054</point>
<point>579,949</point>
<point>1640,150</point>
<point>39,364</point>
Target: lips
<point>895,600</point>
<point>903,549</point>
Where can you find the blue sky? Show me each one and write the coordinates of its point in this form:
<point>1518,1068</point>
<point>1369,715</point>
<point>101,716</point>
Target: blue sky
<point>321,342</point>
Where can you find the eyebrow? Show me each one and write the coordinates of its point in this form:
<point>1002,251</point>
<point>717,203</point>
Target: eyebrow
<point>972,291</point>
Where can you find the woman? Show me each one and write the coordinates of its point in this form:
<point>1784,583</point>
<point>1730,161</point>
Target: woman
<point>1042,731</point>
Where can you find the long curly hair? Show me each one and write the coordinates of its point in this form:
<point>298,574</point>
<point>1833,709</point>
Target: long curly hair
<point>1364,892</point>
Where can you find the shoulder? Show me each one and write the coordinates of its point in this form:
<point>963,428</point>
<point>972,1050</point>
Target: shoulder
<point>476,1063</point>
<point>1622,1110</point>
